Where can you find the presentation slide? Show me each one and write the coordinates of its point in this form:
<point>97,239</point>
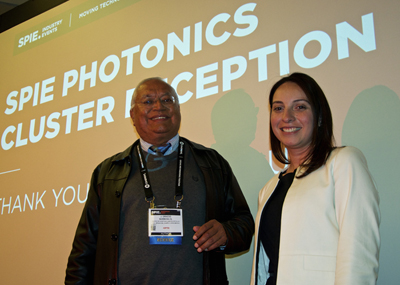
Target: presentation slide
<point>67,77</point>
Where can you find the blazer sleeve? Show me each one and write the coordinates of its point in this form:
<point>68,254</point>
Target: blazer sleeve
<point>358,216</point>
<point>80,267</point>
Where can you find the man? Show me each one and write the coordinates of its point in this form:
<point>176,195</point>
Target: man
<point>116,241</point>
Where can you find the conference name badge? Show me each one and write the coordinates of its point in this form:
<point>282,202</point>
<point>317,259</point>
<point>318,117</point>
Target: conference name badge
<point>165,226</point>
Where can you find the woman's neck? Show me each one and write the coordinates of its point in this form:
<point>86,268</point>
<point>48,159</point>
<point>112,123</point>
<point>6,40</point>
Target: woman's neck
<point>296,157</point>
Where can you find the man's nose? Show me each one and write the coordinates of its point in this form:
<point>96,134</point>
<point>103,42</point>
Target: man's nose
<point>158,104</point>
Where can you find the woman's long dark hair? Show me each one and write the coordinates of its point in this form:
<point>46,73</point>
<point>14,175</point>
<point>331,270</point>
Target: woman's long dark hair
<point>322,142</point>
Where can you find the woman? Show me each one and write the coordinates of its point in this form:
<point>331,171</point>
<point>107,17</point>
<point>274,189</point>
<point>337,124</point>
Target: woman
<point>318,219</point>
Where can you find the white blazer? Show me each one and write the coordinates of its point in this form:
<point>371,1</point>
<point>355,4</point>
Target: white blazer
<point>330,226</point>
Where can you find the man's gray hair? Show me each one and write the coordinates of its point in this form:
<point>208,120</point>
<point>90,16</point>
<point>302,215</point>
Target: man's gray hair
<point>134,95</point>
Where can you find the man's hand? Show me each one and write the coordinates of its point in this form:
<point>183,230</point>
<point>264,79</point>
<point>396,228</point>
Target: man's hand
<point>209,236</point>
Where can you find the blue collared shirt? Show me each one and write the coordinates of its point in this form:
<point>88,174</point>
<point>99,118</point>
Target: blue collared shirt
<point>174,145</point>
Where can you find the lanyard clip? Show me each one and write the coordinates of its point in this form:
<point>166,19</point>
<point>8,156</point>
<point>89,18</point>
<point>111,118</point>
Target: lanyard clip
<point>151,202</point>
<point>178,202</point>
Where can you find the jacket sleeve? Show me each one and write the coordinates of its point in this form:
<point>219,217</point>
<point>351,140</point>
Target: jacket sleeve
<point>358,216</point>
<point>80,267</point>
<point>239,223</point>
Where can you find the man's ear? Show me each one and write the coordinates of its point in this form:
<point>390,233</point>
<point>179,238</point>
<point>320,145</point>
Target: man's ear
<point>132,116</point>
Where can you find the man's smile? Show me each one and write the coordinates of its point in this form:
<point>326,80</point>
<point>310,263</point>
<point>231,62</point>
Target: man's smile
<point>158,118</point>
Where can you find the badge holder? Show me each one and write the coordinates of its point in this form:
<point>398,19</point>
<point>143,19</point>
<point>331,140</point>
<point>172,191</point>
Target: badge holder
<point>165,226</point>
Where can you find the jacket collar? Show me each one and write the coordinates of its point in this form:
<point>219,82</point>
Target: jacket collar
<point>125,155</point>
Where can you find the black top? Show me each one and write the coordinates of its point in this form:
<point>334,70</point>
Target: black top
<point>270,224</point>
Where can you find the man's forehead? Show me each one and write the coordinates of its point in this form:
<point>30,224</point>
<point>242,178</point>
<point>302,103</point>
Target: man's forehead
<point>155,88</point>
<point>154,94</point>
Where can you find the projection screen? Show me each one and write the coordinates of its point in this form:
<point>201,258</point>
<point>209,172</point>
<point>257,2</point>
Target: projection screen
<point>67,77</point>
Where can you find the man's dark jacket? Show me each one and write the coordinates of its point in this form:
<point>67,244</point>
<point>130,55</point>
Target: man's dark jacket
<point>94,256</point>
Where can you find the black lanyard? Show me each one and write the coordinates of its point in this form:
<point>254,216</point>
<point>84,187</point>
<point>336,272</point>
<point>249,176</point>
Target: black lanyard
<point>148,192</point>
